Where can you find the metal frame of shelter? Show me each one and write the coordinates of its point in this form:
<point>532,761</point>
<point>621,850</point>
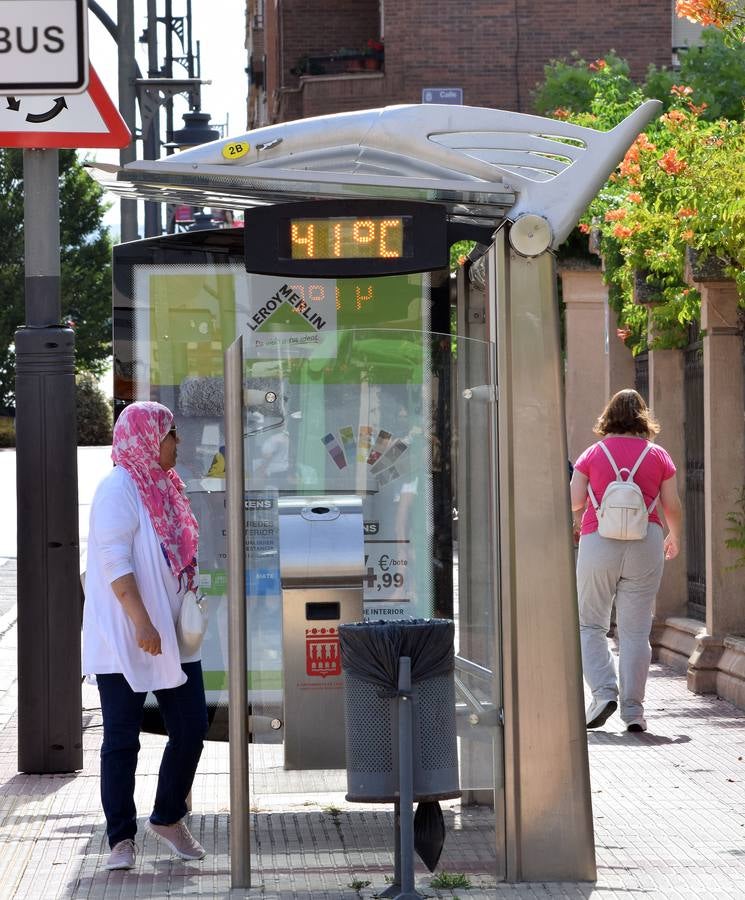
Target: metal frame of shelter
<point>517,184</point>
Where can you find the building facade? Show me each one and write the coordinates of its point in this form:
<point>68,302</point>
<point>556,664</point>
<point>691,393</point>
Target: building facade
<point>330,56</point>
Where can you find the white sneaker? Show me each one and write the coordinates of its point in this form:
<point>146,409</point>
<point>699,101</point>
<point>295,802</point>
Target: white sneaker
<point>639,724</point>
<point>179,839</point>
<point>599,711</point>
<point>122,856</point>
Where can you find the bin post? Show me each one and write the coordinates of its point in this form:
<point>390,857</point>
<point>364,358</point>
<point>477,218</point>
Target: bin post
<point>405,782</point>
<point>393,890</point>
<point>240,845</point>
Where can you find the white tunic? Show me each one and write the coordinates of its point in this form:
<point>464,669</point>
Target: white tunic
<point>122,540</point>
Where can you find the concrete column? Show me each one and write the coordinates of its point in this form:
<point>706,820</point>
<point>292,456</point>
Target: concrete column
<point>619,361</point>
<point>666,393</point>
<point>724,453</point>
<point>585,380</point>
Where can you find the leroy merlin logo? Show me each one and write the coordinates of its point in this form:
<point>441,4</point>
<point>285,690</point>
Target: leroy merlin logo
<point>286,310</point>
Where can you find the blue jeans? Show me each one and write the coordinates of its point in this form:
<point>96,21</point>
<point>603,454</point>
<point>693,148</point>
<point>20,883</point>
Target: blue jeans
<point>184,713</point>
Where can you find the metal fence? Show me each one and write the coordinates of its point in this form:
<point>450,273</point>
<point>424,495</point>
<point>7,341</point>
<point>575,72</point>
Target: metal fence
<point>641,375</point>
<point>694,452</point>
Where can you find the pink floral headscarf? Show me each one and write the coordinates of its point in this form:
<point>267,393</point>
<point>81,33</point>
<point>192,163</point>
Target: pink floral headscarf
<point>138,433</point>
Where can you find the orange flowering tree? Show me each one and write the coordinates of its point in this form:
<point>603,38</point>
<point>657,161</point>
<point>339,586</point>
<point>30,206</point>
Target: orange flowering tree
<point>728,15</point>
<point>680,185</point>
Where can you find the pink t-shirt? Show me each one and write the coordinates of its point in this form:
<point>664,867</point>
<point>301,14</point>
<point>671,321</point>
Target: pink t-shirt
<point>656,467</point>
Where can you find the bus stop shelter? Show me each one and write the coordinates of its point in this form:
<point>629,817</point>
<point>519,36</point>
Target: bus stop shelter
<point>371,386</point>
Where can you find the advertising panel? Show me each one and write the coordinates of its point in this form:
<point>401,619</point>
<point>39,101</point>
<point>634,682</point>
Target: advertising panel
<point>337,400</point>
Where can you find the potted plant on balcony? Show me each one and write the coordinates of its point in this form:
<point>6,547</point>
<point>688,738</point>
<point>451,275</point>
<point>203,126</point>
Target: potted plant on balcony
<point>372,54</point>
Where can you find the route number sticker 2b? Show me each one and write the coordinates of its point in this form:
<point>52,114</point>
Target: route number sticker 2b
<point>235,149</point>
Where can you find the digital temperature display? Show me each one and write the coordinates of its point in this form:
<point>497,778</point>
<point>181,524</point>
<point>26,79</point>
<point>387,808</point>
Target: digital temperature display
<point>350,237</point>
<point>345,238</point>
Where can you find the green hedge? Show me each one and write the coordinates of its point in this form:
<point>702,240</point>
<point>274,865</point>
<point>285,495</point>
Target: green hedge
<point>7,432</point>
<point>95,414</point>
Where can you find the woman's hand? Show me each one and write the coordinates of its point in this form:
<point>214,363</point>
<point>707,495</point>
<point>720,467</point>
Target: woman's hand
<point>673,510</point>
<point>576,526</point>
<point>128,594</point>
<point>671,546</point>
<point>148,639</point>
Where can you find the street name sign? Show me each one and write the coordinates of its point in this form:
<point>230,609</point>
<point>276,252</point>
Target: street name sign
<point>43,46</point>
<point>452,96</point>
<point>63,121</point>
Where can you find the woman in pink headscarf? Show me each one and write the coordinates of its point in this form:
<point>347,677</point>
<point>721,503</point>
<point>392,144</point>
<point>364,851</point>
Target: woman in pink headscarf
<point>142,549</point>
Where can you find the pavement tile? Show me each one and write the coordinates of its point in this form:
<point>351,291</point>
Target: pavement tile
<point>668,806</point>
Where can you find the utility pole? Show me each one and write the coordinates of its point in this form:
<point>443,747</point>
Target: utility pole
<point>127,106</point>
<point>49,601</point>
<point>151,127</point>
<point>50,737</point>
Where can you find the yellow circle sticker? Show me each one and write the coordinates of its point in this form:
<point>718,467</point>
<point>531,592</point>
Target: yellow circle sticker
<point>235,149</point>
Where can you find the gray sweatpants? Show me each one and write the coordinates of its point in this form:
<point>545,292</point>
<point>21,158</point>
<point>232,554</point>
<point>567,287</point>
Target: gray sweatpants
<point>631,572</point>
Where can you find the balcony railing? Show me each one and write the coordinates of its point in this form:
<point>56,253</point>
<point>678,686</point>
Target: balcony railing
<point>339,63</point>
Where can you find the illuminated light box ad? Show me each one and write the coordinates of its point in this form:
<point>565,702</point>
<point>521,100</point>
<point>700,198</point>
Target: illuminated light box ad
<point>348,363</point>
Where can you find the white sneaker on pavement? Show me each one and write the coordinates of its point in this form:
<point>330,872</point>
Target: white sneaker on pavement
<point>178,838</point>
<point>598,711</point>
<point>122,856</point>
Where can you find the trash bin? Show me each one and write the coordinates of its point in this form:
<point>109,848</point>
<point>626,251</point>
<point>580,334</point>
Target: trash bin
<point>321,560</point>
<point>370,654</point>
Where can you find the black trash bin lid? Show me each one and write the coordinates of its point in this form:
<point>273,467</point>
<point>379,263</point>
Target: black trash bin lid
<point>371,650</point>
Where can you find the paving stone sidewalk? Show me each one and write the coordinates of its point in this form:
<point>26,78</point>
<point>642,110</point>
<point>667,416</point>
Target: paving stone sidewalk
<point>668,805</point>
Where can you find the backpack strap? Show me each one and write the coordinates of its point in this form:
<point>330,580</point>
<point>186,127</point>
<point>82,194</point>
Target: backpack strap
<point>636,466</point>
<point>639,461</point>
<point>613,462</point>
<point>591,493</point>
<point>629,477</point>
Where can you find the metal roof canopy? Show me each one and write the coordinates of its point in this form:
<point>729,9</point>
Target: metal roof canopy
<point>483,165</point>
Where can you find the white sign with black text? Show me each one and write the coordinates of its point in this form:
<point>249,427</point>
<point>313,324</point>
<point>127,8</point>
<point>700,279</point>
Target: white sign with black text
<point>43,46</point>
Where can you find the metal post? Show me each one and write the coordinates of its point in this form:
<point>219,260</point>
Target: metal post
<point>49,609</point>
<point>406,781</point>
<point>394,889</point>
<point>127,106</point>
<point>240,847</point>
<point>168,67</point>
<point>151,129</point>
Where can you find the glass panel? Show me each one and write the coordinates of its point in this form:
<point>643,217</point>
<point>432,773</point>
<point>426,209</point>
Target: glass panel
<point>348,394</point>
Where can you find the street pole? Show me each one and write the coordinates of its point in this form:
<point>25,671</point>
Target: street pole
<point>127,106</point>
<point>151,129</point>
<point>49,610</point>
<point>238,732</point>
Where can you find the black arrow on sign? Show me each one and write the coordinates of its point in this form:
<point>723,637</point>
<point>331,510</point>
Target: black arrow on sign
<point>59,105</point>
<point>14,103</point>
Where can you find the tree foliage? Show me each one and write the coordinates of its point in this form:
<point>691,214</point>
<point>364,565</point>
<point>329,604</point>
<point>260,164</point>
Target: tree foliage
<point>715,71</point>
<point>567,84</point>
<point>85,265</point>
<point>679,186</point>
<point>94,412</point>
<point>727,15</point>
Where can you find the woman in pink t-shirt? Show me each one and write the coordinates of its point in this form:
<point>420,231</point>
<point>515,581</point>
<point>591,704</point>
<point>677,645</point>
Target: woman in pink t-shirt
<point>627,570</point>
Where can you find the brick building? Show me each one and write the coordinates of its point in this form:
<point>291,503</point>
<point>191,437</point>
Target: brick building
<point>308,59</point>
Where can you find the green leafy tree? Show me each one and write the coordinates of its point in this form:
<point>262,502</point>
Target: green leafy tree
<point>715,71</point>
<point>85,263</point>
<point>94,412</point>
<point>728,15</point>
<point>679,186</point>
<point>567,84</point>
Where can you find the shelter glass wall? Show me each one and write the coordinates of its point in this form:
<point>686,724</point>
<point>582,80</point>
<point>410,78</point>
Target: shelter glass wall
<point>351,387</point>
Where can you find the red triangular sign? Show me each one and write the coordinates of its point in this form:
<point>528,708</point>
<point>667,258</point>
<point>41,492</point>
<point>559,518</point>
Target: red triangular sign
<point>89,119</point>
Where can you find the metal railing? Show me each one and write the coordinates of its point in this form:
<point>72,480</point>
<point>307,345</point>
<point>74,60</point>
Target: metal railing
<point>694,498</point>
